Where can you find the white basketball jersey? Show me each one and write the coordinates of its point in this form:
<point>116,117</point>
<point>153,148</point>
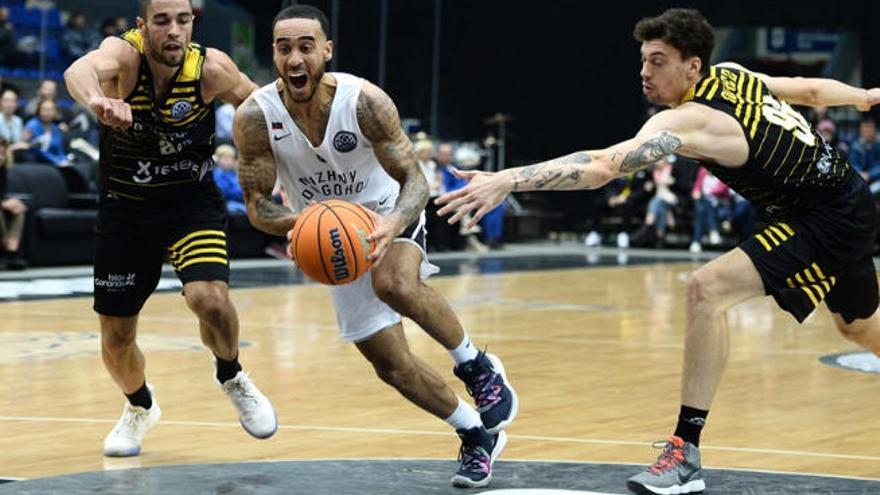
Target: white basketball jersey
<point>342,167</point>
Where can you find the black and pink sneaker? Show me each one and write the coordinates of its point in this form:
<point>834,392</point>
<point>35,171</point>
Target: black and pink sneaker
<point>477,454</point>
<point>486,382</point>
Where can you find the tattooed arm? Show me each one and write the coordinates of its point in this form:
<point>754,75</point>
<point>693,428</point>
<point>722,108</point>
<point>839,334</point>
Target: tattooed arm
<point>379,122</point>
<point>256,171</point>
<point>661,136</point>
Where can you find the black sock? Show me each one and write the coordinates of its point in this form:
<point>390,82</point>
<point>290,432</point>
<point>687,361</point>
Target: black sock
<point>226,370</point>
<point>690,424</point>
<point>141,397</point>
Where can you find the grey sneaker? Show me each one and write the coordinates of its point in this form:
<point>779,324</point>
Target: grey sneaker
<point>677,471</point>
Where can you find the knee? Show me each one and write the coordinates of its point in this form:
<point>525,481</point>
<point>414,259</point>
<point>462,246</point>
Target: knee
<point>209,303</point>
<point>117,339</point>
<point>704,290</point>
<point>399,373</point>
<point>393,288</point>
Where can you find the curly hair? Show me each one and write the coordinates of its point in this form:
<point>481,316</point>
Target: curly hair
<point>685,29</point>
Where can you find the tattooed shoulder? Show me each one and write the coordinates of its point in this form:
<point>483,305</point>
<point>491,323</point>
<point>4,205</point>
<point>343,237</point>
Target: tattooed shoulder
<point>249,128</point>
<point>650,152</point>
<point>376,113</point>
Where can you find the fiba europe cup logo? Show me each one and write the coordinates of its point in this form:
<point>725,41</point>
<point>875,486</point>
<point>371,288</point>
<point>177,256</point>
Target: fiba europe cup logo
<point>345,141</point>
<point>180,109</point>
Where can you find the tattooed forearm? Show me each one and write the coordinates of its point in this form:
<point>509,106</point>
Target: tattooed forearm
<point>380,123</point>
<point>650,152</point>
<point>413,197</point>
<point>566,172</point>
<point>256,172</point>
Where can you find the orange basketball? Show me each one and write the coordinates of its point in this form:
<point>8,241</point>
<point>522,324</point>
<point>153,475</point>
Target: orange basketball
<point>329,241</point>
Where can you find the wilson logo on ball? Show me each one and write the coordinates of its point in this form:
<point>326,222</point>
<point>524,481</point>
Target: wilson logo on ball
<point>329,241</point>
<point>340,266</point>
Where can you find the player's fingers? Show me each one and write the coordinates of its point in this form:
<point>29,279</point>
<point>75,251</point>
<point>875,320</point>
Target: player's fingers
<point>464,174</point>
<point>460,213</point>
<point>450,196</point>
<point>452,205</point>
<point>479,215</point>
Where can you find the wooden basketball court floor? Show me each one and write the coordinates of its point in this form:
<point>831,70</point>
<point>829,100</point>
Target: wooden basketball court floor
<point>594,352</point>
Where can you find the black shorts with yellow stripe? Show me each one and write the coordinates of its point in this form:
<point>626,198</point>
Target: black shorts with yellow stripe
<point>128,262</point>
<point>823,254</point>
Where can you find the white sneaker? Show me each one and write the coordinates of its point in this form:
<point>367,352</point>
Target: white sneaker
<point>714,238</point>
<point>255,412</point>
<point>125,438</point>
<point>696,247</point>
<point>623,240</point>
<point>593,239</point>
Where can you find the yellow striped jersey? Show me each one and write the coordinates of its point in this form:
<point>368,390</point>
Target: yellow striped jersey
<point>790,166</point>
<point>168,150</point>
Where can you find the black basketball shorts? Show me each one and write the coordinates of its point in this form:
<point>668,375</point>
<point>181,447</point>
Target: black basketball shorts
<point>129,255</point>
<point>822,254</point>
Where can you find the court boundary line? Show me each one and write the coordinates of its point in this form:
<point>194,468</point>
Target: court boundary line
<point>447,459</point>
<point>395,431</point>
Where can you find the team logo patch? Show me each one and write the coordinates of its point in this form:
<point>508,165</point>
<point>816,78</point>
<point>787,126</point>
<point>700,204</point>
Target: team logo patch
<point>345,141</point>
<point>180,109</point>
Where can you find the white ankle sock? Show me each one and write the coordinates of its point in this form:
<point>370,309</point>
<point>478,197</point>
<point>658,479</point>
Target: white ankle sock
<point>465,351</point>
<point>465,416</point>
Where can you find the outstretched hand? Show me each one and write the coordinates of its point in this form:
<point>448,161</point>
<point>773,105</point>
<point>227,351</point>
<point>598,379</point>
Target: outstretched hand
<point>484,191</point>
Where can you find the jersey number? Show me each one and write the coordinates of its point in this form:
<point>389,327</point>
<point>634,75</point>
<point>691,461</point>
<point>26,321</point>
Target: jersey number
<point>781,114</point>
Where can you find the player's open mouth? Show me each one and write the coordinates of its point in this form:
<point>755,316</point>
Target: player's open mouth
<point>172,48</point>
<point>299,81</point>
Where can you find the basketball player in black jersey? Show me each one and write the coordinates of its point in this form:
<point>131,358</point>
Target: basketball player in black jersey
<point>740,126</point>
<point>152,90</point>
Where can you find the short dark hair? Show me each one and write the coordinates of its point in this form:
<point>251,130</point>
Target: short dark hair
<point>685,29</point>
<point>303,12</point>
<point>143,5</point>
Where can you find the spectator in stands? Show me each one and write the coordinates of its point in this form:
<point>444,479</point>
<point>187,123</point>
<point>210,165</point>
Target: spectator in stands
<point>108,28</point>
<point>11,125</point>
<point>45,137</point>
<point>456,237</point>
<point>7,39</point>
<point>828,129</point>
<point>743,218</point>
<point>864,155</point>
<point>660,216</point>
<point>78,38</point>
<point>48,90</point>
<point>12,216</point>
<point>492,224</point>
<point>708,194</point>
<point>424,150</point>
<point>122,24</point>
<point>226,177</point>
<point>223,123</point>
<point>625,199</point>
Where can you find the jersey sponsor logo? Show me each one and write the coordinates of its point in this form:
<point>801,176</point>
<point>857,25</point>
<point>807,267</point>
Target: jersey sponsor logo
<point>345,141</point>
<point>147,171</point>
<point>340,267</point>
<point>180,110</point>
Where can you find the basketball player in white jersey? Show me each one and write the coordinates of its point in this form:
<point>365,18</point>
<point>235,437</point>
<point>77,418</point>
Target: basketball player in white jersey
<point>333,135</point>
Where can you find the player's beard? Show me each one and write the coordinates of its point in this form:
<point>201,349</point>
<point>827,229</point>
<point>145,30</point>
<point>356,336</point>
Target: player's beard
<point>166,59</point>
<point>314,80</point>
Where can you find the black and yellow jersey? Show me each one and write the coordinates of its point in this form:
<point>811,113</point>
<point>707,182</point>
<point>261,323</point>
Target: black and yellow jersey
<point>167,152</point>
<point>790,166</point>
